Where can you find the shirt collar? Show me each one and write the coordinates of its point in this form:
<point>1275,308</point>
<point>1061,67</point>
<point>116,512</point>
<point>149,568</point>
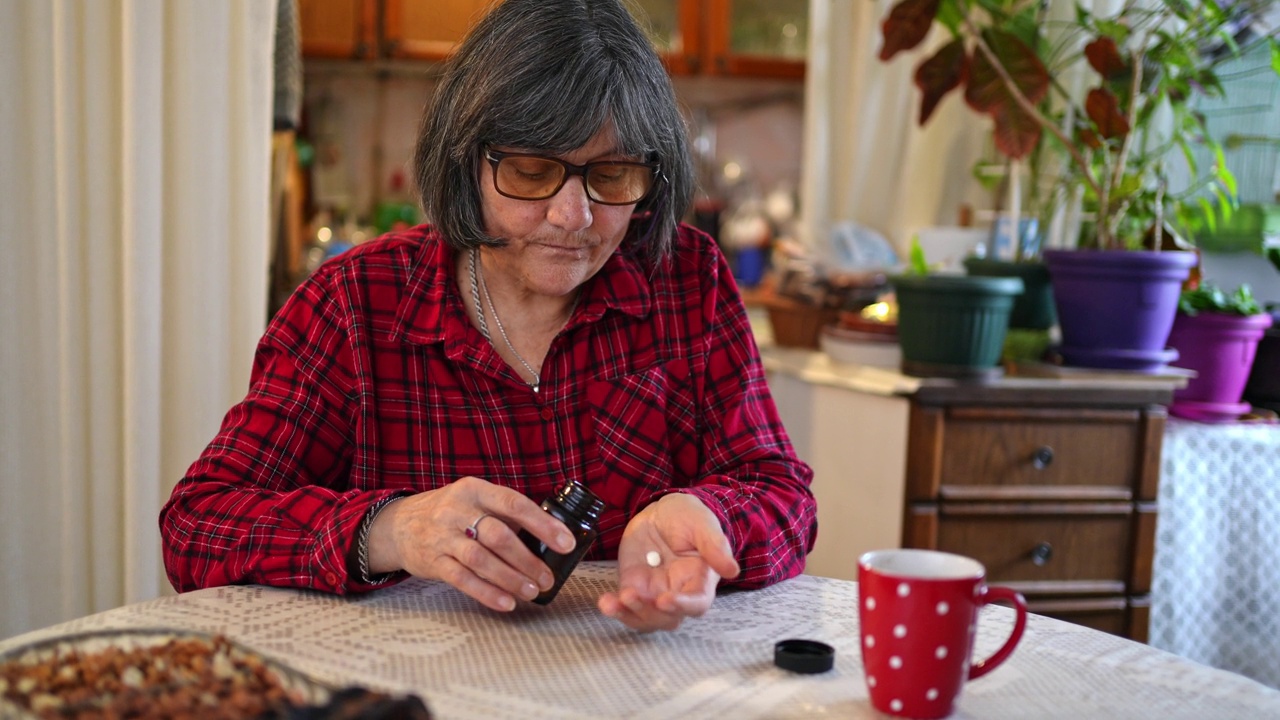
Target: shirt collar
<point>432,310</point>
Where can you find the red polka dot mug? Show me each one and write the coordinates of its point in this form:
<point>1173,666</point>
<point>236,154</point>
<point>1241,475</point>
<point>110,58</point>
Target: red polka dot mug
<point>918,614</point>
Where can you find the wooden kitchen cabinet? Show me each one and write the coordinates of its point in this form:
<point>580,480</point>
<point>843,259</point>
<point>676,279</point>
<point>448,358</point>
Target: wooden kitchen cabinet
<point>745,38</point>
<point>1050,485</point>
<point>338,29</point>
<point>380,29</point>
<point>412,29</point>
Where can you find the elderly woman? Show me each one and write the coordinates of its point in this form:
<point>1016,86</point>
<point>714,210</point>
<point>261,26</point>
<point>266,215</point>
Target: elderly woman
<point>418,396</point>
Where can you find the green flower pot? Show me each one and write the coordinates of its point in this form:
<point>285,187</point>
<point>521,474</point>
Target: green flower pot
<point>953,325</point>
<point>1033,309</point>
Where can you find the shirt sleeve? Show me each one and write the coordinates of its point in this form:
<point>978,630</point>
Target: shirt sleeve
<point>751,477</point>
<point>270,500</point>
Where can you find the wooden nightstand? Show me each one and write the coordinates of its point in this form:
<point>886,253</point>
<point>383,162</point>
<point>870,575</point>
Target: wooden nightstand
<point>1050,484</point>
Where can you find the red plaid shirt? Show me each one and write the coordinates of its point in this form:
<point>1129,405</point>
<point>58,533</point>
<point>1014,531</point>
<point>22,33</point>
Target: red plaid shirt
<point>371,381</point>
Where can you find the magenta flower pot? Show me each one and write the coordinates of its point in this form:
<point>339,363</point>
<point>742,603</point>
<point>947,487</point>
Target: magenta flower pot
<point>1220,347</point>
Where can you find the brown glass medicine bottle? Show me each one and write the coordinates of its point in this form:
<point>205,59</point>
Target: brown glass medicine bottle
<point>579,509</point>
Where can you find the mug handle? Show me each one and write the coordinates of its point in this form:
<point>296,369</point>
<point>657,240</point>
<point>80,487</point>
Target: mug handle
<point>989,595</point>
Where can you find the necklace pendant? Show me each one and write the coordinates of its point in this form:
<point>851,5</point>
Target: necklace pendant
<point>535,387</point>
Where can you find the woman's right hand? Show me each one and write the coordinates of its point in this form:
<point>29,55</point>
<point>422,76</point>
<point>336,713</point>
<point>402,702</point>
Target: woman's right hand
<point>426,536</point>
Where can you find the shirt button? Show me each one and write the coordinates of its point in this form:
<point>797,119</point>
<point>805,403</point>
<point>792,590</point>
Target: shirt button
<point>331,578</point>
<point>547,414</point>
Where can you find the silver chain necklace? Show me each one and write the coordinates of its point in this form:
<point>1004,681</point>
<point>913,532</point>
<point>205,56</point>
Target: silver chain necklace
<point>476,283</point>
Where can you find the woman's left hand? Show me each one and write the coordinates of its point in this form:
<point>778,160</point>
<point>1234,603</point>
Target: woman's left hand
<point>693,555</point>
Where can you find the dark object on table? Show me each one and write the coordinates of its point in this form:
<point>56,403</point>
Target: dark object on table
<point>808,657</point>
<point>357,703</point>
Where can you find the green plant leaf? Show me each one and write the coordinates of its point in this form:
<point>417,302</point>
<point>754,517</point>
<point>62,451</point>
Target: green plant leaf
<point>951,15</point>
<point>1188,154</point>
<point>1210,217</point>
<point>1275,55</point>
<point>1208,298</point>
<point>1273,254</point>
<point>918,264</point>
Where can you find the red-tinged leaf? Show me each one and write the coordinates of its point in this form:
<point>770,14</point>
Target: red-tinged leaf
<point>1103,109</point>
<point>1089,138</point>
<point>1104,57</point>
<point>907,25</point>
<point>939,75</point>
<point>1016,132</point>
<point>986,91</point>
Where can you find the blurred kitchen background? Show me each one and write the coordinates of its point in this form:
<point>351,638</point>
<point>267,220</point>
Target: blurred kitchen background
<point>808,154</point>
<point>368,66</point>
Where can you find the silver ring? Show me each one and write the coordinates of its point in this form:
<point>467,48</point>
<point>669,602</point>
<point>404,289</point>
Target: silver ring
<point>473,531</point>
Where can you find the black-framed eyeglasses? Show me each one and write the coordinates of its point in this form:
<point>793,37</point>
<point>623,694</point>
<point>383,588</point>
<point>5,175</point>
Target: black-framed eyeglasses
<point>525,176</point>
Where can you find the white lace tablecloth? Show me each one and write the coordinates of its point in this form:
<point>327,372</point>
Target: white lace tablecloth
<point>567,661</point>
<point>1215,595</point>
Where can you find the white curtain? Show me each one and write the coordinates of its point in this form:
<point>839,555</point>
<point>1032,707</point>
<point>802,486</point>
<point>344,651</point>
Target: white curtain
<point>866,159</point>
<point>135,140</point>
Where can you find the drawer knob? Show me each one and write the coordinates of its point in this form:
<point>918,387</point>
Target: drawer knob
<point>1041,554</point>
<point>1042,457</point>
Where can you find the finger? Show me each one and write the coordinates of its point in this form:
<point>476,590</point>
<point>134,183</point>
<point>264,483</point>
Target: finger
<point>530,572</point>
<point>611,606</point>
<point>472,585</point>
<point>521,512</point>
<point>646,612</point>
<point>474,555</point>
<point>716,552</point>
<point>686,604</point>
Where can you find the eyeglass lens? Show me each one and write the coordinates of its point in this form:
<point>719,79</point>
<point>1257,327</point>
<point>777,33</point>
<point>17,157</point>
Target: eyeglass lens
<point>538,178</point>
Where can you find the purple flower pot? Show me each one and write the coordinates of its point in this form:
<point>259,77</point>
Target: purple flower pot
<point>1115,307</point>
<point>1220,348</point>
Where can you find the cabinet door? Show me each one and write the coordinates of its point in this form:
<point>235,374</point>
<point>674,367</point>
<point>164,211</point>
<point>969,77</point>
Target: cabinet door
<point>675,29</point>
<point>337,28</point>
<point>758,38</point>
<point>428,30</point>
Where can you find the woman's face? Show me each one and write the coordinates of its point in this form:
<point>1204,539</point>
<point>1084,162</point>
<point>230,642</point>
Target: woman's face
<point>554,245</point>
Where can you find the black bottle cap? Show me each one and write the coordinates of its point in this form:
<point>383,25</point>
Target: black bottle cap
<point>804,656</point>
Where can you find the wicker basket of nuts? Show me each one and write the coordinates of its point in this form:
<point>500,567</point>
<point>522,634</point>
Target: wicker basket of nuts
<point>166,674</point>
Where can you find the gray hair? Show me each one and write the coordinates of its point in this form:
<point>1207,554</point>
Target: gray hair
<point>548,75</point>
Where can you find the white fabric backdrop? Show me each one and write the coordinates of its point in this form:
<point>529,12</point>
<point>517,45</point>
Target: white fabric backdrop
<point>866,159</point>
<point>134,167</point>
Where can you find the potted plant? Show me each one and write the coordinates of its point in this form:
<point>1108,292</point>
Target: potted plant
<point>1263,387</point>
<point>951,325</point>
<point>1216,335</point>
<point>1112,142</point>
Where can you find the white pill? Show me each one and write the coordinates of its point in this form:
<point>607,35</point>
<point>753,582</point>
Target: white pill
<point>653,558</point>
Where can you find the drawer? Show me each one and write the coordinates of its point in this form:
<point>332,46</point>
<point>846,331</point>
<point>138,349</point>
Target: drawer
<point>1124,616</point>
<point>1110,615</point>
<point>994,453</point>
<point>1046,549</point>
